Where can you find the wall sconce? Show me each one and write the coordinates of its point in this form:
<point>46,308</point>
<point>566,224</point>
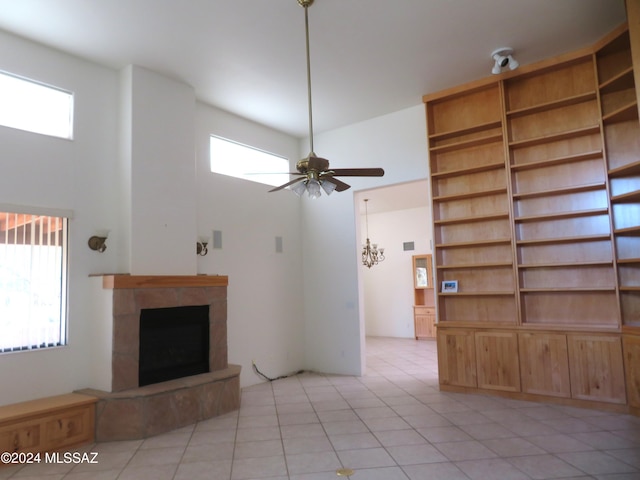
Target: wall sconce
<point>97,242</point>
<point>201,246</point>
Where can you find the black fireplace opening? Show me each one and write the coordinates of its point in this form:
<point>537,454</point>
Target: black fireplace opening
<point>174,343</point>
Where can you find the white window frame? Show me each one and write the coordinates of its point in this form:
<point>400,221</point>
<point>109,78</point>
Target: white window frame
<point>33,279</point>
<point>35,107</point>
<point>238,160</point>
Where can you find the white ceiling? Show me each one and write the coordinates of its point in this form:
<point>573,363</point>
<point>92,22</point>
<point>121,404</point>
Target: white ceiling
<point>368,57</point>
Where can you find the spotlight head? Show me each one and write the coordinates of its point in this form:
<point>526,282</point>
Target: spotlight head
<point>502,61</point>
<point>502,57</point>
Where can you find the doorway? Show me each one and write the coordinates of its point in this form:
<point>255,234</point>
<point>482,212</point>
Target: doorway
<point>399,220</point>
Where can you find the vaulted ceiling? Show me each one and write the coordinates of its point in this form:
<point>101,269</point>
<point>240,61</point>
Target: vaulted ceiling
<point>368,57</point>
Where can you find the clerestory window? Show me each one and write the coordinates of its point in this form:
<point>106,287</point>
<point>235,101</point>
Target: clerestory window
<point>35,107</point>
<point>249,163</point>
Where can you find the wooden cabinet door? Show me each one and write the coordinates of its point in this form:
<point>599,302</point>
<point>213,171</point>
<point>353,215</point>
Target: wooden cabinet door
<point>631,348</point>
<point>544,364</point>
<point>456,357</point>
<point>497,361</point>
<point>422,328</point>
<point>424,318</point>
<point>430,323</point>
<point>596,367</point>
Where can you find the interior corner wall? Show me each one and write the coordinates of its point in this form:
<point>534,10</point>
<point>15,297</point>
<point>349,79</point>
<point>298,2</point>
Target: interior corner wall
<point>163,199</point>
<point>397,142</point>
<point>122,235</point>
<point>265,308</point>
<point>101,302</point>
<point>388,305</point>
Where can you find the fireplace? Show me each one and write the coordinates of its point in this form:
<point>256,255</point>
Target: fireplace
<point>174,343</point>
<point>134,295</point>
<point>139,406</point>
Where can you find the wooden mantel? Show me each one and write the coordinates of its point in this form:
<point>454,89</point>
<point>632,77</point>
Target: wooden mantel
<point>163,281</point>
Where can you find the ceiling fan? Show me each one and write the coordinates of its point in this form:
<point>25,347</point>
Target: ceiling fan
<point>314,172</point>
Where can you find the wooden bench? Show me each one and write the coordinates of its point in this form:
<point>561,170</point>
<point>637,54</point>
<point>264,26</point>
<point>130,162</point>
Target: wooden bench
<point>48,424</point>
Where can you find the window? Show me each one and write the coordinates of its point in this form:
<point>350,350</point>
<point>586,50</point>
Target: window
<point>34,107</point>
<point>241,161</point>
<point>33,271</point>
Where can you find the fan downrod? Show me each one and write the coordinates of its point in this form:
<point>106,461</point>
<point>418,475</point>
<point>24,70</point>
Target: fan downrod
<point>305,3</point>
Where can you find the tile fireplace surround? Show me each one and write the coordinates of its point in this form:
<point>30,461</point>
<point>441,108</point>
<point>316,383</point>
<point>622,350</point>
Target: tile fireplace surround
<point>132,412</point>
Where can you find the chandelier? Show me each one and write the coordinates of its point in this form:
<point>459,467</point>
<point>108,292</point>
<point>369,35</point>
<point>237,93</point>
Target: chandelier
<point>371,255</point>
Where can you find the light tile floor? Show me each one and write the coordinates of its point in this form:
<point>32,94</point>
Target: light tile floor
<point>391,424</point>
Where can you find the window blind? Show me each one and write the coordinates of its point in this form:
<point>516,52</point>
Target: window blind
<point>33,252</point>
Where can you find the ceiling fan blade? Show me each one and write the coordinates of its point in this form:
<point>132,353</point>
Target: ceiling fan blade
<point>357,172</point>
<point>271,173</point>
<point>340,185</point>
<point>287,184</point>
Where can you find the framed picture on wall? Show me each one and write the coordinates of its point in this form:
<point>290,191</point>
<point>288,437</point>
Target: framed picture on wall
<point>450,286</point>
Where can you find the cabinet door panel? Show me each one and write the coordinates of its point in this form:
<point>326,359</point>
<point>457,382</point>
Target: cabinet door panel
<point>544,364</point>
<point>497,359</point>
<point>631,346</point>
<point>456,358</point>
<point>595,363</point>
<point>424,320</point>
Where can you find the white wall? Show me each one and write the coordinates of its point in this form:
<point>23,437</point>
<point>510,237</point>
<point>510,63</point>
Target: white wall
<point>162,162</point>
<point>388,286</point>
<point>334,324</point>
<point>80,176</point>
<point>265,316</point>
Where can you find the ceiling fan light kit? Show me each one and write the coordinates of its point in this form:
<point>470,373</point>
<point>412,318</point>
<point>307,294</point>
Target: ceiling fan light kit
<point>314,174</point>
<point>503,57</point>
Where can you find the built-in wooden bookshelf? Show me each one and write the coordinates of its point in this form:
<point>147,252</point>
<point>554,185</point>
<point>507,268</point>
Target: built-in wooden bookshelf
<point>619,107</point>
<point>536,214</point>
<point>558,184</point>
<point>471,205</point>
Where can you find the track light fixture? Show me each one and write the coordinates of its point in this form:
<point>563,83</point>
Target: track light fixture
<point>503,58</point>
